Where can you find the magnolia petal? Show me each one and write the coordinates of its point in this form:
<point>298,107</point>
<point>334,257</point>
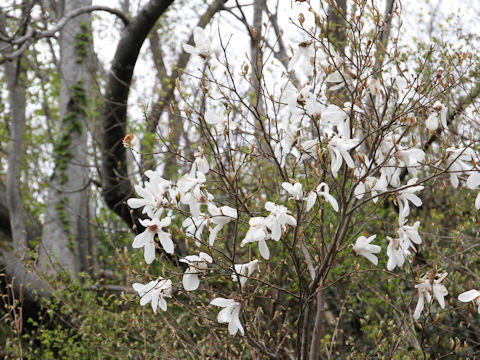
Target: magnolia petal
<point>287,187</point>
<point>432,122</point>
<point>149,252</point>
<point>135,203</point>
<point>225,315</point>
<point>473,180</point>
<point>232,328</point>
<point>359,190</point>
<point>165,222</point>
<point>189,49</point>
<point>236,319</point>
<point>222,302</point>
<point>361,242</point>
<point>332,201</point>
<point>190,282</point>
<point>374,249</point>
<point>138,287</point>
<point>262,246</point>
<point>414,199</point>
<point>311,199</point>
<point>166,242</point>
<point>155,301</point>
<point>202,165</point>
<point>214,233</point>
<point>370,257</point>
<point>146,298</point>
<point>419,307</point>
<point>162,303</point>
<point>205,257</point>
<point>469,295</point>
<point>229,211</point>
<point>454,180</point>
<point>336,163</point>
<point>143,239</point>
<point>290,220</point>
<point>348,159</point>
<point>391,264</point>
<point>439,294</point>
<point>276,231</point>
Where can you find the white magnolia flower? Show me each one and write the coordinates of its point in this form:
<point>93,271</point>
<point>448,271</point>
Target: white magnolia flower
<point>153,195</point>
<point>338,147</point>
<point>429,288</point>
<point>405,196</point>
<point>288,135</point>
<point>364,248</point>
<point>203,45</point>
<point>340,117</point>
<point>369,183</point>
<point>304,55</point>
<point>146,238</point>
<point>321,189</point>
<point>278,219</point>
<point>442,111</point>
<point>230,314</point>
<point>190,187</point>
<point>412,158</point>
<point>432,122</point>
<point>458,161</point>
<point>191,182</point>
<point>243,271</point>
<point>295,189</point>
<point>396,254</point>
<point>219,122</point>
<point>377,186</point>
<point>201,163</point>
<point>473,182</point>
<point>366,183</point>
<point>409,235</point>
<point>310,149</point>
<point>258,232</point>
<point>295,97</point>
<point>149,201</point>
<point>194,227</point>
<point>220,216</point>
<point>197,264</point>
<point>336,116</point>
<point>439,113</point>
<point>400,84</point>
<point>471,295</point>
<point>155,292</point>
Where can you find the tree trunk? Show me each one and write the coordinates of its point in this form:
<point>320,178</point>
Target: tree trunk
<point>256,55</point>
<point>117,187</point>
<point>65,243</point>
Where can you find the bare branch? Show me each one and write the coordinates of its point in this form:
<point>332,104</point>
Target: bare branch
<point>31,36</point>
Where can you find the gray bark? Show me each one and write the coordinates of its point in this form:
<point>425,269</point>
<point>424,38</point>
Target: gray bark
<point>16,223</point>
<point>64,244</point>
<point>16,88</point>
<point>256,55</point>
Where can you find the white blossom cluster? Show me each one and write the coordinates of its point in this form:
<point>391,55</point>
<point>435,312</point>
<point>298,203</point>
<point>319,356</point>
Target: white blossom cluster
<point>392,171</point>
<point>159,194</point>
